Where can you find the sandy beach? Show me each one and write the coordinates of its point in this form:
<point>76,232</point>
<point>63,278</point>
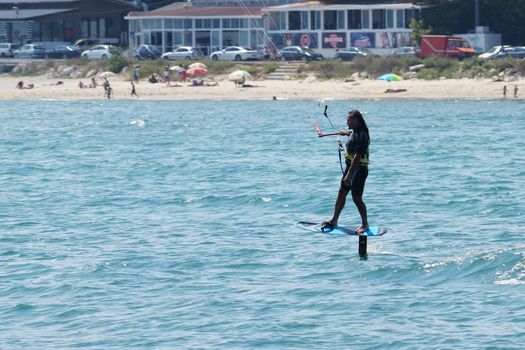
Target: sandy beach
<point>309,88</point>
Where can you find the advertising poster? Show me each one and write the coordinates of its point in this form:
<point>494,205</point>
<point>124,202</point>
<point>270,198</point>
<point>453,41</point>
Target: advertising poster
<point>365,40</point>
<point>387,40</point>
<point>334,40</point>
<point>305,40</point>
<point>296,39</point>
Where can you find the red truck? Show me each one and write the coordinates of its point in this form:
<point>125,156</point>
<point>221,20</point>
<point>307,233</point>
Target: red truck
<point>445,46</point>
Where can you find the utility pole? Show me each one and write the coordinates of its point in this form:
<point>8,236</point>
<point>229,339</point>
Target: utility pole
<point>476,13</point>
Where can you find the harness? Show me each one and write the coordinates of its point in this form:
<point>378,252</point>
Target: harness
<point>362,162</point>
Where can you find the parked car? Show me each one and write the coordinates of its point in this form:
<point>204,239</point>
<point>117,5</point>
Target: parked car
<point>352,52</point>
<point>63,51</point>
<point>7,49</point>
<point>295,53</point>
<point>405,51</point>
<point>503,52</point>
<point>264,51</point>
<point>144,52</point>
<point>236,53</point>
<point>30,51</point>
<point>98,52</point>
<point>85,43</point>
<point>492,52</point>
<point>181,53</point>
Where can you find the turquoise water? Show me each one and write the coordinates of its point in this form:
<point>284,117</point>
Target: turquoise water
<point>169,225</point>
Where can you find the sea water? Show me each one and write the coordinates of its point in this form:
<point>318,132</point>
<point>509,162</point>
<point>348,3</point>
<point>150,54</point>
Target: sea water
<point>170,225</point>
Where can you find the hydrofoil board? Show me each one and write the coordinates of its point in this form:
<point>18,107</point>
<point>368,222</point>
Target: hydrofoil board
<point>341,229</point>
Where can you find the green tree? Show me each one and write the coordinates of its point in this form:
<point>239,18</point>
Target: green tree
<point>506,17</point>
<point>418,30</point>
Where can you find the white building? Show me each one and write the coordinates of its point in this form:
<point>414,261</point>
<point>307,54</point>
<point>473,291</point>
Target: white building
<point>213,25</point>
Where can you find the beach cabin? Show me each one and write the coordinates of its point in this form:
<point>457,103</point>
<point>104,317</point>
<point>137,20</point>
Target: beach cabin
<point>321,25</point>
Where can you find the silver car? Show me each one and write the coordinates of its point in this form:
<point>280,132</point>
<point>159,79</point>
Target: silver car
<point>181,53</point>
<point>30,51</point>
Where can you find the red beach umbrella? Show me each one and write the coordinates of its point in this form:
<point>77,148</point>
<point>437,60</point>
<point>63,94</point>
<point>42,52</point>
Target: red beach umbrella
<point>197,71</point>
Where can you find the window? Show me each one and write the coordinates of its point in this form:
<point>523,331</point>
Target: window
<point>277,20</point>
<point>365,19</point>
<point>304,20</point>
<point>378,19</point>
<point>354,19</point>
<point>294,20</point>
<point>226,23</point>
<point>101,28</point>
<point>177,38</point>
<point>216,23</point>
<point>257,23</point>
<point>340,20</point>
<point>390,18</point>
<point>400,19</point>
<point>178,23</point>
<point>202,23</point>
<point>215,38</point>
<point>315,19</point>
<point>330,19</point>
<point>244,38</point>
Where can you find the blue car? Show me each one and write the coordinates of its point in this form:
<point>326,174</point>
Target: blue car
<point>63,51</point>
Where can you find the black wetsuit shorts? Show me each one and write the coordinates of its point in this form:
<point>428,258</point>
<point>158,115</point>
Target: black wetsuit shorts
<point>358,181</point>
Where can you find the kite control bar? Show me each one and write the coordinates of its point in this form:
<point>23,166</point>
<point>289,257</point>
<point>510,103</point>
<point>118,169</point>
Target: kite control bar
<point>320,133</point>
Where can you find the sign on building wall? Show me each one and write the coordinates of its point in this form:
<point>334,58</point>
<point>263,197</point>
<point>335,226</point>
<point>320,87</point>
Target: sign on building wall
<point>334,40</point>
<point>365,40</point>
<point>294,39</point>
<point>387,40</point>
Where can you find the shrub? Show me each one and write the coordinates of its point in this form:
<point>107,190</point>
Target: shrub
<point>329,69</point>
<point>428,74</point>
<point>117,63</point>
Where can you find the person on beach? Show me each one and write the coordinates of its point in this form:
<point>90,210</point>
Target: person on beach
<point>515,91</point>
<point>356,172</point>
<point>93,83</point>
<point>136,73</point>
<point>20,85</point>
<point>504,91</point>
<point>166,75</point>
<point>182,74</point>
<point>133,91</point>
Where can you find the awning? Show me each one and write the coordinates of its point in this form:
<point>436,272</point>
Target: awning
<point>466,49</point>
<point>29,14</point>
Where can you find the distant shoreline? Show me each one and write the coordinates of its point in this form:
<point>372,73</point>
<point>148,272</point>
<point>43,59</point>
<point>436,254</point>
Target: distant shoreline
<point>305,89</point>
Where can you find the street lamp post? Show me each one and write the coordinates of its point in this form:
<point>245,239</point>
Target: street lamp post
<point>476,13</point>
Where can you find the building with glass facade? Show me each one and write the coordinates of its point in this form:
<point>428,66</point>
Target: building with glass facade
<point>212,25</point>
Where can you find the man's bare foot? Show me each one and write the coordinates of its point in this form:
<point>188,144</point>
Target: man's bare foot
<point>328,225</point>
<point>361,229</point>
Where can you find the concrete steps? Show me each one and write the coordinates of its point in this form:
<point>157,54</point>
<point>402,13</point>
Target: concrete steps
<point>285,71</point>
